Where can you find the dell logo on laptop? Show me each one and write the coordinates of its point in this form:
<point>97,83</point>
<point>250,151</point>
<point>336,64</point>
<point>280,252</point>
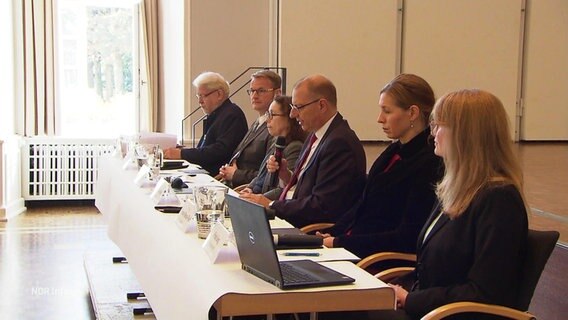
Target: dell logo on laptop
<point>251,237</point>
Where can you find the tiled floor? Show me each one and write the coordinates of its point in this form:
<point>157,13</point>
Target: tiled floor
<point>41,258</point>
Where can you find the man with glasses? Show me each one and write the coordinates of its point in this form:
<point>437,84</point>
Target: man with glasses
<point>330,174</point>
<point>246,159</point>
<point>223,128</point>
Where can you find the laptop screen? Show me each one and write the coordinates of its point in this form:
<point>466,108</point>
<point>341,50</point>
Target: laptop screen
<point>254,238</point>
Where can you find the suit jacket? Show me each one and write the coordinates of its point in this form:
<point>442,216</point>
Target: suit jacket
<point>250,153</point>
<point>291,153</point>
<point>476,257</point>
<point>333,179</point>
<point>223,129</point>
<point>396,203</point>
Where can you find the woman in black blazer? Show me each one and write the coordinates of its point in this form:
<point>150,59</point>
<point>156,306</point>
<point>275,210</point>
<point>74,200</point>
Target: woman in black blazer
<point>399,193</point>
<point>473,246</point>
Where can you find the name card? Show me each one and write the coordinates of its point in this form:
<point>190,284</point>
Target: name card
<point>117,152</point>
<point>217,237</point>
<point>142,176</point>
<point>129,163</point>
<point>161,187</point>
<point>185,217</point>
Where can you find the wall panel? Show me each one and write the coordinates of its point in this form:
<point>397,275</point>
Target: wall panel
<point>458,44</point>
<point>546,71</point>
<point>225,36</point>
<point>352,43</point>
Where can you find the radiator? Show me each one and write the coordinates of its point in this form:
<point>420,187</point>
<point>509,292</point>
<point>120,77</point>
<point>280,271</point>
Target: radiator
<point>61,169</point>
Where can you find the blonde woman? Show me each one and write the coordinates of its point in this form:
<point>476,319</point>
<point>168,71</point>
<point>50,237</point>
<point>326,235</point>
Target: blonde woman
<point>473,245</point>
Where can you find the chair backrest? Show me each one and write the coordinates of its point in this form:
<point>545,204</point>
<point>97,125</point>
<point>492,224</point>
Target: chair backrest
<point>539,247</point>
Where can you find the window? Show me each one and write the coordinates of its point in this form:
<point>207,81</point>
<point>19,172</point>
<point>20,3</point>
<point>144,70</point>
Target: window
<point>97,63</point>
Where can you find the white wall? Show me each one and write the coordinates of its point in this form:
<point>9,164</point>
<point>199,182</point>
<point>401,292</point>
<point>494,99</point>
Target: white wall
<point>172,62</point>
<point>7,107</point>
<point>11,201</point>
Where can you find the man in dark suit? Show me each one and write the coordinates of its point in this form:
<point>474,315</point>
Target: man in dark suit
<point>330,173</point>
<point>246,159</point>
<point>223,128</point>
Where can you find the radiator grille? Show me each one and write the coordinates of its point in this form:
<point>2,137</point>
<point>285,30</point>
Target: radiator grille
<point>59,169</point>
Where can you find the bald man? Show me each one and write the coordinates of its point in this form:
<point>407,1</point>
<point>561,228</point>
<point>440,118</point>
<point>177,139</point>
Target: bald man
<point>331,176</point>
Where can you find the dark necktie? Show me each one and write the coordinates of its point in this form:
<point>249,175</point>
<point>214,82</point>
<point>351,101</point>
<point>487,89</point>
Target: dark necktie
<point>298,169</point>
<point>248,137</point>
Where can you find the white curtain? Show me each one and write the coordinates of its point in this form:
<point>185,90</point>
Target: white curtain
<point>39,70</point>
<point>149,32</point>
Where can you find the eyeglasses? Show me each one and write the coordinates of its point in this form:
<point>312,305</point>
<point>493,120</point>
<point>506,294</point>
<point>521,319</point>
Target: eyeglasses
<point>250,92</point>
<point>298,107</point>
<point>269,114</point>
<point>203,96</point>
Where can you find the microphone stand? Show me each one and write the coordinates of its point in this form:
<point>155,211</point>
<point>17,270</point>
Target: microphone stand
<point>183,120</point>
<point>193,129</point>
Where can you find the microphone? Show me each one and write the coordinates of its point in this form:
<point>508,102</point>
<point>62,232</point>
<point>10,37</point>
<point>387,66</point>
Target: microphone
<point>273,176</point>
<point>177,183</point>
<point>185,118</point>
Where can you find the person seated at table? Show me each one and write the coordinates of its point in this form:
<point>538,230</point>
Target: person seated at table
<point>279,125</point>
<point>247,157</point>
<point>330,174</point>
<point>473,244</point>
<point>399,193</point>
<point>223,128</point>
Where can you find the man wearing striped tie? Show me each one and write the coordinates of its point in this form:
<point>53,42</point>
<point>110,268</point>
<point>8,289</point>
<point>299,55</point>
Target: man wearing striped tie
<point>247,157</point>
<point>330,173</point>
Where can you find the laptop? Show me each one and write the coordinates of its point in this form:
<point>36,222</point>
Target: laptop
<point>258,254</point>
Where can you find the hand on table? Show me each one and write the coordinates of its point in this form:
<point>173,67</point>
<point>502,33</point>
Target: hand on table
<point>227,171</point>
<point>172,153</point>
<point>256,198</point>
<point>327,239</point>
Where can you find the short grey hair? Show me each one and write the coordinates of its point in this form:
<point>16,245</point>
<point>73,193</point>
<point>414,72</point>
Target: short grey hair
<point>212,81</point>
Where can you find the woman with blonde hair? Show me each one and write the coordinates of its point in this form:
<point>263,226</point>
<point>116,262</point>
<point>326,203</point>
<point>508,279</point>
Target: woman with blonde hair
<point>473,245</point>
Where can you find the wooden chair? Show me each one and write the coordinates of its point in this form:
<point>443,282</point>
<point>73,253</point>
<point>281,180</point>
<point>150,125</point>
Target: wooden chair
<point>311,228</point>
<point>240,188</point>
<point>539,248</point>
<point>392,273</point>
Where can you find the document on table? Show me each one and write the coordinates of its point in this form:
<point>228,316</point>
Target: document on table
<point>165,140</point>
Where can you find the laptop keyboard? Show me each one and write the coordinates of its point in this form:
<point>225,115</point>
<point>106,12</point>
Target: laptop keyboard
<point>291,275</point>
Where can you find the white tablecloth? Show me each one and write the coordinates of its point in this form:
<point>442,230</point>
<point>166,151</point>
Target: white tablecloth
<point>178,278</point>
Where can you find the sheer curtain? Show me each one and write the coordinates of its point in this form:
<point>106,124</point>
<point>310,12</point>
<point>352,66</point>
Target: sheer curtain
<point>39,70</point>
<point>149,32</point>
